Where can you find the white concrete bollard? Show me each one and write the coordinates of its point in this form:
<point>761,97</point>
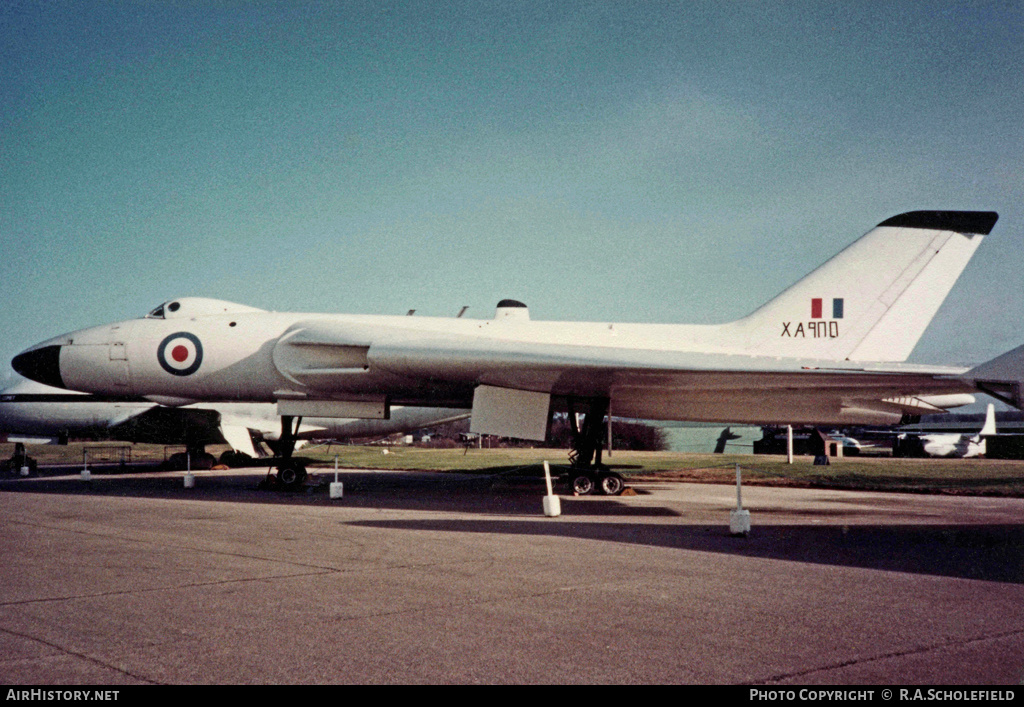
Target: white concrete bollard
<point>739,522</point>
<point>337,488</point>
<point>739,519</point>
<point>552,504</point>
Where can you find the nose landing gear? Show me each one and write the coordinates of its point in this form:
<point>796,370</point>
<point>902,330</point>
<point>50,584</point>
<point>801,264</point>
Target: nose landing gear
<point>291,473</point>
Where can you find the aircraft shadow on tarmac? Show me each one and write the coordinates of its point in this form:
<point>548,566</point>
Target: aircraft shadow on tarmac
<point>988,552</point>
<point>992,552</point>
<point>457,493</point>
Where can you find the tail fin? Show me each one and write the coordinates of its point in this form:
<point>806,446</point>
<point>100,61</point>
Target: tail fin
<point>989,428</point>
<point>872,301</point>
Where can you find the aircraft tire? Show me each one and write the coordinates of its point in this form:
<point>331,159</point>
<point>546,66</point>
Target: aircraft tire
<point>232,458</point>
<point>611,484</point>
<point>176,462</point>
<point>291,476</point>
<point>582,484</point>
<point>203,461</point>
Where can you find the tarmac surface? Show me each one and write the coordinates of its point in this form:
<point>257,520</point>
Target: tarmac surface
<point>441,578</point>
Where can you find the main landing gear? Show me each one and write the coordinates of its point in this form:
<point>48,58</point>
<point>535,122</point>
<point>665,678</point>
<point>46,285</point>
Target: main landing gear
<point>587,474</point>
<point>584,483</point>
<point>19,460</point>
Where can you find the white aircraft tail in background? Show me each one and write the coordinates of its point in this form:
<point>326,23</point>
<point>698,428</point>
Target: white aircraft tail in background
<point>989,428</point>
<point>946,444</point>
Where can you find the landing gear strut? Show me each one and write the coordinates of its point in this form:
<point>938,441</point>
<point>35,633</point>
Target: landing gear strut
<point>291,473</point>
<point>19,460</point>
<point>587,474</point>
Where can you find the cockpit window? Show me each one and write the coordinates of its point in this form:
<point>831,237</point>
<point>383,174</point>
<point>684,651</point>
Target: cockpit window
<point>191,307</point>
<point>163,310</point>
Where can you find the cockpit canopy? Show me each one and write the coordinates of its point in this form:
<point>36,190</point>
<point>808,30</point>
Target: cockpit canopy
<point>187,307</point>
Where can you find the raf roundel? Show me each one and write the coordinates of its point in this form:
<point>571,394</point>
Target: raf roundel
<point>180,354</point>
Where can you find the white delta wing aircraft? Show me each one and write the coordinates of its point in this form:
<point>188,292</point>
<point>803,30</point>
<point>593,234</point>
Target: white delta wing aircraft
<point>32,410</point>
<point>828,350</point>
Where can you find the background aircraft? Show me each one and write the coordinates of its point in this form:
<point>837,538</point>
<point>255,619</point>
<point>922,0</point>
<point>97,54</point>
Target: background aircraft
<point>916,443</point>
<point>30,409</point>
<point>828,350</point>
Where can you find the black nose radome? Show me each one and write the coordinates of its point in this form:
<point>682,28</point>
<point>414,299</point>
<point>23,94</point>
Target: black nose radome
<point>41,365</point>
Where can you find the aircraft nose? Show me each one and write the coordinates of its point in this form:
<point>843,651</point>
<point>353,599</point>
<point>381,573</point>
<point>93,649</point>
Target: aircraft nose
<point>41,365</point>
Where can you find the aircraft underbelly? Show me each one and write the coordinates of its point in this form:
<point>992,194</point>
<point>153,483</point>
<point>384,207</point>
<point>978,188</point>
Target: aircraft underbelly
<point>752,407</point>
<point>775,398</point>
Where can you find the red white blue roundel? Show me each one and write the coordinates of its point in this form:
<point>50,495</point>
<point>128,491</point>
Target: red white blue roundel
<point>180,354</point>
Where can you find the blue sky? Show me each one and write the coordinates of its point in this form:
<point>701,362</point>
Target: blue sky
<point>622,161</point>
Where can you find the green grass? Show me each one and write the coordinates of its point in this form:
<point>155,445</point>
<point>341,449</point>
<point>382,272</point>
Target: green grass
<point>964,476</point>
<point>969,476</point>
